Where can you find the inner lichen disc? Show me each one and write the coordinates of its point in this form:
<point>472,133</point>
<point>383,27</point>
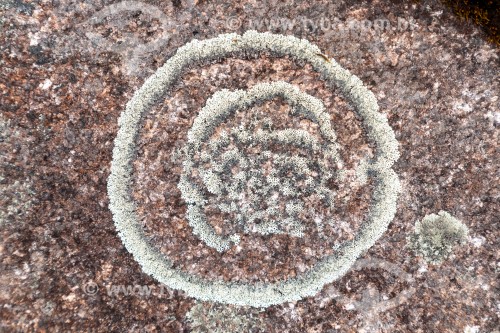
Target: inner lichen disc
<point>249,194</point>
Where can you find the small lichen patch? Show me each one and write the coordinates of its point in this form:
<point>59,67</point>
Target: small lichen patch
<point>436,236</point>
<point>218,318</point>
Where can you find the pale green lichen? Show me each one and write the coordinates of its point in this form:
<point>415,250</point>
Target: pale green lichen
<point>218,318</point>
<point>436,236</point>
<point>362,171</point>
<point>246,193</point>
<point>386,187</point>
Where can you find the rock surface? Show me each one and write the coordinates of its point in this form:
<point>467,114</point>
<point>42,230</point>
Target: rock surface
<point>65,80</point>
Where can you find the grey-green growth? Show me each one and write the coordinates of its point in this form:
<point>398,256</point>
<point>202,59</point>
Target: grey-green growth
<point>220,318</point>
<point>251,194</point>
<point>436,236</point>
<point>330,268</point>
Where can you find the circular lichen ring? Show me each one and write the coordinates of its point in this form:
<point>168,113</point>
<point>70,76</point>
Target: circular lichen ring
<point>123,208</point>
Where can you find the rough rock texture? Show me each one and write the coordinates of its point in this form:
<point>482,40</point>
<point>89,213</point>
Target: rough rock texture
<point>62,90</point>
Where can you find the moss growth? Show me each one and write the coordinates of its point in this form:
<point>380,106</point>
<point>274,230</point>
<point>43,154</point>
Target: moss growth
<point>436,236</point>
<point>483,13</point>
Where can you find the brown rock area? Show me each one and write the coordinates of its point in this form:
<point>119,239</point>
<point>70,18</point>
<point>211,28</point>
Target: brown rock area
<point>61,92</point>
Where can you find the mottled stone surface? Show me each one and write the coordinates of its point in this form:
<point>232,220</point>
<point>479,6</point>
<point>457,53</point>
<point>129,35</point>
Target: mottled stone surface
<point>62,90</point>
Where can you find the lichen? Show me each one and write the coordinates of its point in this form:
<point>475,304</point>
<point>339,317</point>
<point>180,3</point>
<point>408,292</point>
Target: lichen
<point>218,318</point>
<point>330,268</point>
<point>436,236</point>
<point>251,194</point>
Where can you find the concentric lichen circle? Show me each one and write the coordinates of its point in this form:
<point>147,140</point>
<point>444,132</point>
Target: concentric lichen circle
<point>123,208</point>
<point>224,104</point>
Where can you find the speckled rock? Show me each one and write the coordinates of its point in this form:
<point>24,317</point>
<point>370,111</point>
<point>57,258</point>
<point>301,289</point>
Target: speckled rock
<point>65,80</point>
